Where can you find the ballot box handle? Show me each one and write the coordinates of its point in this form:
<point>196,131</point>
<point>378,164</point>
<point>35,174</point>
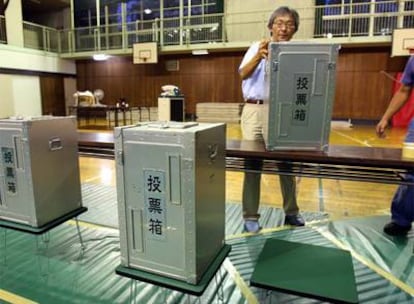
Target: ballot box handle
<point>174,170</point>
<point>55,144</point>
<point>18,148</point>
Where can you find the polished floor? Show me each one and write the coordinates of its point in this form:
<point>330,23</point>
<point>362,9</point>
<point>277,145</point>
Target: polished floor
<point>338,198</point>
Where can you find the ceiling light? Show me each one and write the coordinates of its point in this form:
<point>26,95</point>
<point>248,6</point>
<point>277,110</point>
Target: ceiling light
<point>147,11</point>
<point>100,57</point>
<point>199,52</point>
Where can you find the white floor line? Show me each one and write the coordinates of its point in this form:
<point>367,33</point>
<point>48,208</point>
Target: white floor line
<point>364,143</point>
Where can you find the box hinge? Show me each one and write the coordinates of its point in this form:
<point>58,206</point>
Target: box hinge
<point>120,157</point>
<point>275,65</point>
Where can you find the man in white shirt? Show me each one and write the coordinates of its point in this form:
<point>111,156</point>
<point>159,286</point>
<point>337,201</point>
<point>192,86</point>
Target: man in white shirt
<point>282,24</point>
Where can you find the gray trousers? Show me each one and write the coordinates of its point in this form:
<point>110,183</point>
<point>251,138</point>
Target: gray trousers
<point>251,194</point>
<point>251,127</point>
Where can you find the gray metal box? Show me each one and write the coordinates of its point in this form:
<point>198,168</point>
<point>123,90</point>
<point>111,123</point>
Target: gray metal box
<point>171,197</point>
<point>300,90</point>
<point>39,170</point>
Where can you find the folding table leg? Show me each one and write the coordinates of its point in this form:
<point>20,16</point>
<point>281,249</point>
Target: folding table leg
<point>79,234</point>
<point>3,244</point>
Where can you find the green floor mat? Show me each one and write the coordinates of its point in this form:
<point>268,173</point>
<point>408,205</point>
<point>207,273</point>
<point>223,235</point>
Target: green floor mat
<point>307,270</point>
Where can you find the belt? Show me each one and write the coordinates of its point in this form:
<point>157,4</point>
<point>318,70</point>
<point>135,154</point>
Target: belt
<point>255,101</point>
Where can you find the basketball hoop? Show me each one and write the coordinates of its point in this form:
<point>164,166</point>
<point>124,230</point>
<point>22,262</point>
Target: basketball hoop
<point>410,50</point>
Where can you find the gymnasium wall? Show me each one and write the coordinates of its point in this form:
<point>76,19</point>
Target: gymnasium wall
<point>363,86</point>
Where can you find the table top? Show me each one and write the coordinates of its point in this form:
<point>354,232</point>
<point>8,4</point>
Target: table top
<point>96,139</point>
<point>335,155</point>
<point>100,108</point>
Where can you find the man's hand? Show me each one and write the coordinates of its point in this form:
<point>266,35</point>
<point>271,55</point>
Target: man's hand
<point>262,52</point>
<point>397,101</point>
<point>381,126</point>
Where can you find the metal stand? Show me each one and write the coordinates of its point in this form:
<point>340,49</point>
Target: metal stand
<point>43,231</point>
<point>189,289</point>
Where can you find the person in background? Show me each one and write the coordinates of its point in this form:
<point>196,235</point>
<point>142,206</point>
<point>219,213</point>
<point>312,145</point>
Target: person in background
<point>402,206</point>
<point>283,24</point>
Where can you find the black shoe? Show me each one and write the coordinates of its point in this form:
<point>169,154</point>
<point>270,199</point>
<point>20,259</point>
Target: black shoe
<point>395,229</point>
<point>294,220</point>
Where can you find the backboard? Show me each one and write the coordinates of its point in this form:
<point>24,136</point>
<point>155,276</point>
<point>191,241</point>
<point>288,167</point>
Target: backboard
<point>402,41</point>
<point>145,52</point>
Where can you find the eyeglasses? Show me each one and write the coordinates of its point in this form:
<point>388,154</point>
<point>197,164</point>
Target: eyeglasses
<point>288,25</point>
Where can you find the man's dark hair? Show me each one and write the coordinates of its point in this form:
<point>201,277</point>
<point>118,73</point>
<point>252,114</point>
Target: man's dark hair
<point>282,11</point>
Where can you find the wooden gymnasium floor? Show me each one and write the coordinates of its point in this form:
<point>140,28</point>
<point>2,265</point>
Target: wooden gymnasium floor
<point>340,199</point>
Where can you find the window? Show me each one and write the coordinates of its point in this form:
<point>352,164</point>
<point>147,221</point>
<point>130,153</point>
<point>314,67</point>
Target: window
<point>140,19</point>
<point>353,17</point>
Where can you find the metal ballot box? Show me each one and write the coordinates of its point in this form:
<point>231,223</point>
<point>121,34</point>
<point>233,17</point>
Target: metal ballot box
<point>39,170</point>
<point>171,197</point>
<point>300,90</point>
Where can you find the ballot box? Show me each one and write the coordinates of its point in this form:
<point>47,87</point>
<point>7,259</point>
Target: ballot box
<point>299,95</point>
<point>171,196</point>
<point>39,170</point>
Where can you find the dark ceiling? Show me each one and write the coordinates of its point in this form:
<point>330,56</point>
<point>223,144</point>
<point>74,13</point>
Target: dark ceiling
<point>30,7</point>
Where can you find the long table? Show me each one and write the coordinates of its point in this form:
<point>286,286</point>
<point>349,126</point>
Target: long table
<point>94,112</point>
<point>383,165</point>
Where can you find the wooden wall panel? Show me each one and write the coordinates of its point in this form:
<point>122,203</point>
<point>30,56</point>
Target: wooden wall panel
<point>212,78</point>
<point>53,95</point>
<point>363,80</point>
<point>343,92</point>
<point>364,84</point>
